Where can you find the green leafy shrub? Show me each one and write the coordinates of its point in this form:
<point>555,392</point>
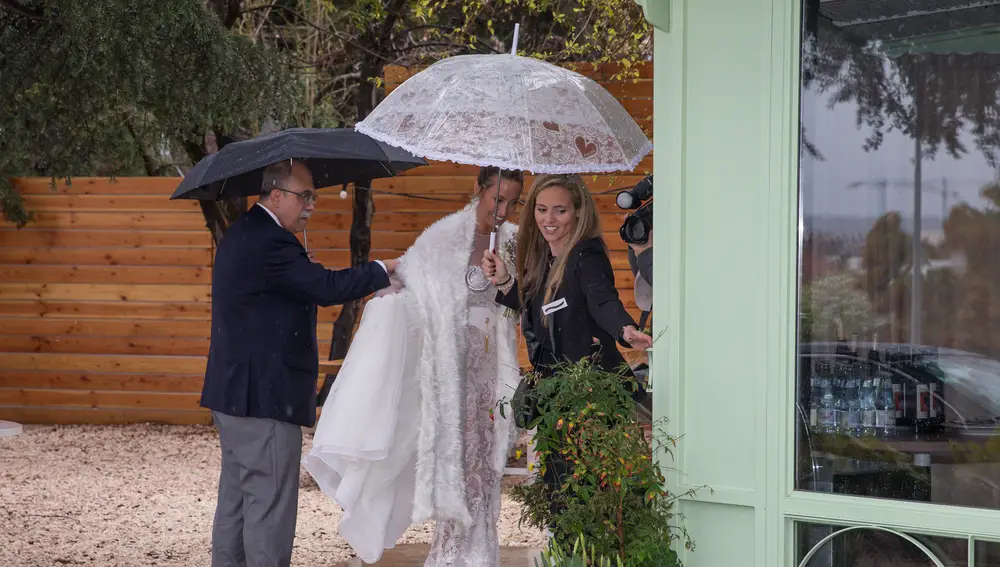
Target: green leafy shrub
<point>613,492</point>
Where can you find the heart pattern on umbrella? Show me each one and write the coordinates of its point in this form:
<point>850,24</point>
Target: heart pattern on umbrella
<point>586,149</point>
<point>551,126</point>
<point>407,123</point>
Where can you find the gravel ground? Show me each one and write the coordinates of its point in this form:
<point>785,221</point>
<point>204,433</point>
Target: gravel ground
<point>144,495</point>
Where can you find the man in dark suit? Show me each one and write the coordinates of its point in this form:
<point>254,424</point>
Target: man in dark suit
<point>263,364</point>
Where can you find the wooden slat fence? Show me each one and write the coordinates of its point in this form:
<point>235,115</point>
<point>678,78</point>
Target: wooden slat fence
<point>105,297</point>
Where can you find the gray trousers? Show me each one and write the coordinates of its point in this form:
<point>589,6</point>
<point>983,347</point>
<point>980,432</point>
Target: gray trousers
<point>258,492</point>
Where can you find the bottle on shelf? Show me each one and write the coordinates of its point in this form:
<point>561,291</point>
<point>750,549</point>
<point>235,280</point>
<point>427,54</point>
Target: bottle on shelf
<point>840,397</point>
<point>815,396</point>
<point>874,357</point>
<point>829,412</point>
<point>898,402</point>
<point>885,388</point>
<point>885,425</point>
<point>870,425</point>
<point>843,349</point>
<point>923,402</point>
<point>902,389</point>
<point>852,394</point>
<point>937,403</point>
<point>869,408</point>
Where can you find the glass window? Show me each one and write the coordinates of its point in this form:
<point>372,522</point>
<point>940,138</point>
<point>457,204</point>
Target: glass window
<point>840,546</point>
<point>899,298</point>
<point>987,554</point>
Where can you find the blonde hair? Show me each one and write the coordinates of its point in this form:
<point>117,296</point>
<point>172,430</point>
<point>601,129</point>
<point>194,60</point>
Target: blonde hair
<point>532,249</point>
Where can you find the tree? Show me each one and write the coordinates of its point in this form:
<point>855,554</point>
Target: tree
<point>970,307</point>
<point>113,87</point>
<point>832,305</point>
<point>886,260</point>
<point>342,47</point>
<point>332,41</point>
<point>913,93</point>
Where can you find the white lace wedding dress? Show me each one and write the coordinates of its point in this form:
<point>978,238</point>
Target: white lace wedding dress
<point>478,546</point>
<point>365,445</point>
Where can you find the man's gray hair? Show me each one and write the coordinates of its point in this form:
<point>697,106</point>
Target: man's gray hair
<point>275,177</point>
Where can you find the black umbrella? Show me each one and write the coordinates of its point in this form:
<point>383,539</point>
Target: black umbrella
<point>335,156</point>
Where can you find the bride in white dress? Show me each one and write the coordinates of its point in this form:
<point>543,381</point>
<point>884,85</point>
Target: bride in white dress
<point>411,430</point>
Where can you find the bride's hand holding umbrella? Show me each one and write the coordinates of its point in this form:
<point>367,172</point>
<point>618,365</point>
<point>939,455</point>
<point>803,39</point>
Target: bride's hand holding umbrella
<point>494,268</point>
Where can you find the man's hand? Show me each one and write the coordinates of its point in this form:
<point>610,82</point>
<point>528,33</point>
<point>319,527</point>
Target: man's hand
<point>640,248</point>
<point>636,338</point>
<point>390,265</point>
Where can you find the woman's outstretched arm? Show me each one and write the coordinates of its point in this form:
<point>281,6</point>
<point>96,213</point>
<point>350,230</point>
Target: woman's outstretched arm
<point>507,295</point>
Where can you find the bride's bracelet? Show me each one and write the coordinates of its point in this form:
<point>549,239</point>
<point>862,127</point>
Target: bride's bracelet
<point>506,286</point>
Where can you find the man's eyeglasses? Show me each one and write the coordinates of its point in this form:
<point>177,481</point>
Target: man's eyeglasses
<point>308,197</point>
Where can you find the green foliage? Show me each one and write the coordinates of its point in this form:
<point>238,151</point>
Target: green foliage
<point>12,205</point>
<point>109,87</point>
<point>613,492</point>
<point>341,45</point>
<point>592,31</point>
<point>580,556</point>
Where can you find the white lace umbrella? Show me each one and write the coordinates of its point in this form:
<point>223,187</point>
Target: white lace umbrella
<point>512,112</point>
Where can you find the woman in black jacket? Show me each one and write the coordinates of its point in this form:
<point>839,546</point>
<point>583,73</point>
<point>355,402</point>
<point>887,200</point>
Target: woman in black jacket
<point>565,286</point>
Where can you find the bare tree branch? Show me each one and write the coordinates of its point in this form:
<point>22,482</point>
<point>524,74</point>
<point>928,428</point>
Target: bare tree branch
<point>401,50</point>
<point>15,7</point>
<point>148,161</point>
<point>249,9</point>
<point>330,87</point>
<point>227,10</point>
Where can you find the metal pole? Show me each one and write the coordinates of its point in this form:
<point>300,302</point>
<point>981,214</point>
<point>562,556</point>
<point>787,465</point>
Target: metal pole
<point>496,204</point>
<point>916,291</point>
<point>944,200</point>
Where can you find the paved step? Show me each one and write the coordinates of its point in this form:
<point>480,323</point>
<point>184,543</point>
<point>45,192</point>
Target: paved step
<point>413,555</point>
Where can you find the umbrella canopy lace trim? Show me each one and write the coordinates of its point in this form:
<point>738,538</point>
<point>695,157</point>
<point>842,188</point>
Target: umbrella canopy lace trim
<point>510,164</point>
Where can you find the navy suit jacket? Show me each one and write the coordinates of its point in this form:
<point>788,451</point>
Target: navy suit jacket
<point>263,360</point>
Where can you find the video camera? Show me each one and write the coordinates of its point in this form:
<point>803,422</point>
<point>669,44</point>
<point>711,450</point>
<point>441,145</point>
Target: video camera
<point>636,228</point>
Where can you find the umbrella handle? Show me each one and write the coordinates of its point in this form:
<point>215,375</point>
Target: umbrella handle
<point>493,241</point>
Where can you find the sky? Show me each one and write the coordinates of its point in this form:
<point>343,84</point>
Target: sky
<point>825,184</point>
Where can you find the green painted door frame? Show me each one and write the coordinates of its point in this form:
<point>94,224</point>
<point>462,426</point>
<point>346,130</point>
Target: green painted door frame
<point>726,268</point>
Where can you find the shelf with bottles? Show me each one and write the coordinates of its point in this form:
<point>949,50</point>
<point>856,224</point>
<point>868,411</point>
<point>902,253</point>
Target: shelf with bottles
<point>842,475</point>
<point>873,393</point>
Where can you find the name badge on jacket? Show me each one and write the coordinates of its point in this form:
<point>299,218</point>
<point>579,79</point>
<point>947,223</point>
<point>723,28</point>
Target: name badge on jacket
<point>556,305</point>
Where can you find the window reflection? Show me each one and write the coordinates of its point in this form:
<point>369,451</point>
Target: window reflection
<point>899,303</point>
<point>987,554</point>
<point>866,547</point>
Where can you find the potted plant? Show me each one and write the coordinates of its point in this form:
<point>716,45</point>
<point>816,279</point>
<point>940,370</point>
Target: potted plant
<point>556,556</point>
<point>613,491</point>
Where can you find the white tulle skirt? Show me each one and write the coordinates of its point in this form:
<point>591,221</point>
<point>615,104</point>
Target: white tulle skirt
<point>365,444</point>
